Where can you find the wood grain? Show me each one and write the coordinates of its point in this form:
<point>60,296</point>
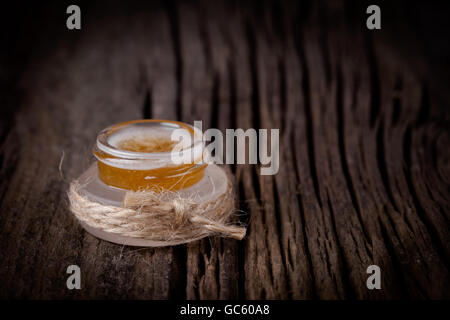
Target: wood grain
<point>364,175</point>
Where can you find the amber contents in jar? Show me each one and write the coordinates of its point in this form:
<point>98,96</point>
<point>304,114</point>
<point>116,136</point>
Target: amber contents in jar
<point>137,144</point>
<point>135,156</point>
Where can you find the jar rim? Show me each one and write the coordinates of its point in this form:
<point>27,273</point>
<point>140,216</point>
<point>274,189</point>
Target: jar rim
<point>103,144</point>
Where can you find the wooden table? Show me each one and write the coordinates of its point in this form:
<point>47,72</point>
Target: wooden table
<point>364,134</point>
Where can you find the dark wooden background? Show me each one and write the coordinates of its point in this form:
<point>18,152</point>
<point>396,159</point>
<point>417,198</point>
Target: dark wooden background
<point>364,176</point>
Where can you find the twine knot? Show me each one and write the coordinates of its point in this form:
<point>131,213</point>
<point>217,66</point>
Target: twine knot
<point>181,210</point>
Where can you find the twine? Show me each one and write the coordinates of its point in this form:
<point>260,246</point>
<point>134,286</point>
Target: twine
<point>159,216</point>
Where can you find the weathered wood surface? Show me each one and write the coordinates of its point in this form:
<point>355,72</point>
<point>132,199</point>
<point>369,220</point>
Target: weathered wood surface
<point>364,176</point>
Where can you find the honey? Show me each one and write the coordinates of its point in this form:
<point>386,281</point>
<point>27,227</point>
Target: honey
<point>136,155</point>
<point>139,144</point>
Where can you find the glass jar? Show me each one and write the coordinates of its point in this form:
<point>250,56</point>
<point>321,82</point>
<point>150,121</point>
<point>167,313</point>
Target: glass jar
<point>139,155</point>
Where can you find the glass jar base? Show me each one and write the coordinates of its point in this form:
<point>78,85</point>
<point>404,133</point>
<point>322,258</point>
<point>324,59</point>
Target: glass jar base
<point>210,187</point>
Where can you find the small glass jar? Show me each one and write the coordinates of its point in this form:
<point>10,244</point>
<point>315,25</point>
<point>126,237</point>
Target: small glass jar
<point>138,155</point>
